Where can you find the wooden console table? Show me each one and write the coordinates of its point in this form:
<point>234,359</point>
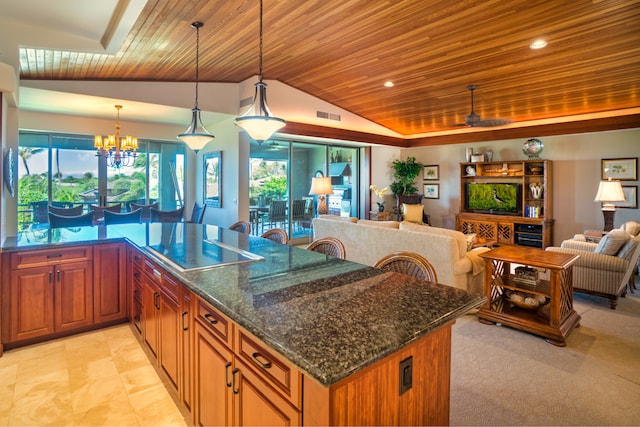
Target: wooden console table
<point>380,216</point>
<point>554,320</point>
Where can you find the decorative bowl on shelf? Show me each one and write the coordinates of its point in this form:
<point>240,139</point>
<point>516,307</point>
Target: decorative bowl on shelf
<point>532,148</point>
<point>525,300</point>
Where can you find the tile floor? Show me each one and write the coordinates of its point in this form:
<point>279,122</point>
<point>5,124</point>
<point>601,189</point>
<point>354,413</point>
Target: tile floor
<point>97,378</point>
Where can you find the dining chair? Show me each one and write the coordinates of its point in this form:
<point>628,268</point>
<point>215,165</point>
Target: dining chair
<point>409,263</point>
<point>276,235</point>
<point>146,209</point>
<point>298,211</point>
<point>277,214</point>
<point>328,246</point>
<point>74,211</point>
<point>241,226</point>
<point>98,211</point>
<point>61,221</point>
<point>176,215</point>
<point>122,217</point>
<point>197,213</point>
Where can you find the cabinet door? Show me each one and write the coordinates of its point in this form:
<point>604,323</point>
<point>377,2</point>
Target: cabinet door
<point>73,295</point>
<point>170,334</point>
<point>212,380</point>
<point>186,326</point>
<point>109,291</point>
<point>150,308</point>
<point>31,310</point>
<point>257,404</point>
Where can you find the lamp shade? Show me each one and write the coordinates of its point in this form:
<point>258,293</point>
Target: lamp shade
<point>196,136</point>
<point>609,191</point>
<point>258,121</point>
<point>321,186</point>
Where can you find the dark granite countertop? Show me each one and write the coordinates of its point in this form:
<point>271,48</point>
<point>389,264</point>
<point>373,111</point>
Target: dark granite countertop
<point>329,317</point>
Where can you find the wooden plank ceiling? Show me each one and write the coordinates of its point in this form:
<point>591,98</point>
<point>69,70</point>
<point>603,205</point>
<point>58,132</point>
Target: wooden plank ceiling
<point>342,51</point>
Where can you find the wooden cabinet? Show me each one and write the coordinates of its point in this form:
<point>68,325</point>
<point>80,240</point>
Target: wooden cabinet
<point>48,292</point>
<point>242,385</point>
<point>135,290</point>
<point>509,202</point>
<point>161,316</point>
<point>109,283</point>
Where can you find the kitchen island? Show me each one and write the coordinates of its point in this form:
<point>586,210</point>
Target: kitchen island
<point>352,344</point>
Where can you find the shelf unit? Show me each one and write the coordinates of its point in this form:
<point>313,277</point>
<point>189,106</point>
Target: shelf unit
<point>533,225</point>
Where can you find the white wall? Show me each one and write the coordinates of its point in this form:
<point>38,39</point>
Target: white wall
<point>576,173</point>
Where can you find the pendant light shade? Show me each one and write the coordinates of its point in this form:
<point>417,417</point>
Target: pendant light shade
<point>196,136</point>
<point>258,121</point>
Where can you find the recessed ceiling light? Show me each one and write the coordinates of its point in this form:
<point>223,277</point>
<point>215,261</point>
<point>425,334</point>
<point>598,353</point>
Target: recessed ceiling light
<point>388,83</point>
<point>538,44</point>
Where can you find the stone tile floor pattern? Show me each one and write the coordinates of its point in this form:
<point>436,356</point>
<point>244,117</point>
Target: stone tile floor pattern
<point>96,378</point>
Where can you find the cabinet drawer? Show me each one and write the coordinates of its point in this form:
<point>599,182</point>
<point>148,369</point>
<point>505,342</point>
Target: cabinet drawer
<point>214,321</point>
<point>273,368</point>
<point>51,256</point>
<point>153,271</point>
<point>171,287</point>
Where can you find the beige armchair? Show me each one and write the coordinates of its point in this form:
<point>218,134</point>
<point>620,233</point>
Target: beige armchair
<point>603,272</point>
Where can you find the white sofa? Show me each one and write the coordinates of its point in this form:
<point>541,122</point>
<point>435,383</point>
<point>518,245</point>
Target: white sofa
<point>367,241</point>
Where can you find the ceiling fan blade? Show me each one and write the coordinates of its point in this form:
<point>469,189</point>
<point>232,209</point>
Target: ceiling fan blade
<point>487,123</point>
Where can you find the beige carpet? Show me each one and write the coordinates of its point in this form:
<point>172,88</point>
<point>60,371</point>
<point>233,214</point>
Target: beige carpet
<point>502,376</point>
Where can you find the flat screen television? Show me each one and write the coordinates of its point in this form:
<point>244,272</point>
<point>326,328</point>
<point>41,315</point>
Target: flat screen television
<point>494,198</point>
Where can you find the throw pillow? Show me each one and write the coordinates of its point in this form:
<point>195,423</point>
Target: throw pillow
<point>471,240</point>
<point>388,224</point>
<point>627,249</point>
<point>412,226</point>
<point>412,213</point>
<point>631,227</point>
<point>611,243</point>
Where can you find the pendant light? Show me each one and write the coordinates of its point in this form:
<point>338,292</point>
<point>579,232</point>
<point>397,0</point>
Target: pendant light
<point>196,136</point>
<point>258,120</point>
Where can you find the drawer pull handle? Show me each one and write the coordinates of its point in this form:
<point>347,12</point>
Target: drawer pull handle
<point>226,374</point>
<point>184,327</point>
<point>50,277</point>
<point>265,365</point>
<point>156,297</point>
<point>137,257</point>
<point>211,319</point>
<point>58,273</point>
<point>136,275</point>
<point>54,256</point>
<point>233,376</point>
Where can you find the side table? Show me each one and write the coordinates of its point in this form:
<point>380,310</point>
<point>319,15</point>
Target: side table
<point>556,319</point>
<point>380,216</point>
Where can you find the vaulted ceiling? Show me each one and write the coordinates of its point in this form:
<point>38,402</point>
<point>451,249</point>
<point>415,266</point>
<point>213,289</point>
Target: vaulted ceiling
<point>343,51</point>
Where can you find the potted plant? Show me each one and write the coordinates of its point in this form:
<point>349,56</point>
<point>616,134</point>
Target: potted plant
<point>404,174</point>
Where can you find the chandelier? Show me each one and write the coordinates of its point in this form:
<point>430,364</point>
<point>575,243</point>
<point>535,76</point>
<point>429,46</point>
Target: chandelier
<point>119,152</point>
<point>258,120</point>
<point>196,136</point>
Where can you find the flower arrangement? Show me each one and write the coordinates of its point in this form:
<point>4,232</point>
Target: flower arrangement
<point>380,193</point>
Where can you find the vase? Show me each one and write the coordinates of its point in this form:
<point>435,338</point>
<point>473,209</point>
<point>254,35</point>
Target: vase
<point>380,207</point>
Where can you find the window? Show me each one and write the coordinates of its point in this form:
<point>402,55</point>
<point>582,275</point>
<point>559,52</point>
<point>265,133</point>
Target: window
<point>64,170</point>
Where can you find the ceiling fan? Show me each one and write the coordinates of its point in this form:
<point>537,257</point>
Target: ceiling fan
<point>473,120</point>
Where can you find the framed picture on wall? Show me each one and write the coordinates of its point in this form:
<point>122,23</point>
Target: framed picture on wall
<point>630,197</point>
<point>431,172</point>
<point>621,169</point>
<point>432,191</point>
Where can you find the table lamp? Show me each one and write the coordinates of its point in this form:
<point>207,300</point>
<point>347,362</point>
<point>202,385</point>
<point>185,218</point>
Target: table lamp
<point>609,191</point>
<point>320,187</point>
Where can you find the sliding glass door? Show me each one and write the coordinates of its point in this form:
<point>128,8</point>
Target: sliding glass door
<point>280,181</point>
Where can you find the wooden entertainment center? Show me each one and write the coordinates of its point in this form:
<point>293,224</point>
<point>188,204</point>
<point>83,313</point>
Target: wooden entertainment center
<point>528,222</point>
